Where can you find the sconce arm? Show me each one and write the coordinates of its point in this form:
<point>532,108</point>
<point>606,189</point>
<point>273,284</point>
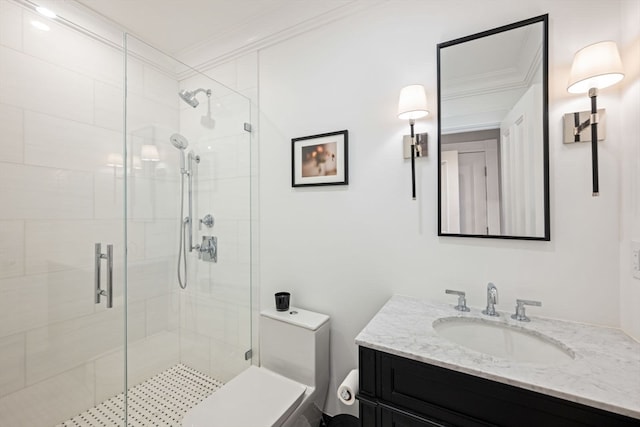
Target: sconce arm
<point>582,126</point>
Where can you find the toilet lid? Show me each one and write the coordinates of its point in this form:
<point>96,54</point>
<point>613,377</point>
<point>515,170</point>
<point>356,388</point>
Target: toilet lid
<point>255,398</point>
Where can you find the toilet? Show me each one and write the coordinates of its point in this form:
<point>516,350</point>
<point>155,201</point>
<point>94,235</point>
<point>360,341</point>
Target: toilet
<point>288,389</point>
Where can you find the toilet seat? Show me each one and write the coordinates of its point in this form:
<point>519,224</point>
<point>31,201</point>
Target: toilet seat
<point>255,398</point>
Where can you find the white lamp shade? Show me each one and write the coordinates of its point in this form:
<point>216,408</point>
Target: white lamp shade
<point>115,160</point>
<point>595,66</point>
<point>412,103</point>
<point>149,153</point>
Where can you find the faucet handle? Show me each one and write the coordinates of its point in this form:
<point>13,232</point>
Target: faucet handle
<point>520,313</point>
<point>462,302</point>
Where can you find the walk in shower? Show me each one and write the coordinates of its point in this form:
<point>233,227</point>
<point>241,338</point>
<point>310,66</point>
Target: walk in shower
<point>91,191</point>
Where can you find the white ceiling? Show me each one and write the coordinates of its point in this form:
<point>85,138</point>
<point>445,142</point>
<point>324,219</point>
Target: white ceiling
<point>178,26</point>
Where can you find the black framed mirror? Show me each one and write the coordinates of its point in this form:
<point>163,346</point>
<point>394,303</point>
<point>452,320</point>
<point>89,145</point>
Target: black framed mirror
<point>493,133</point>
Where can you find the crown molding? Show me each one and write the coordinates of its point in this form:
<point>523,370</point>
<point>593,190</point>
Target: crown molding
<point>214,52</point>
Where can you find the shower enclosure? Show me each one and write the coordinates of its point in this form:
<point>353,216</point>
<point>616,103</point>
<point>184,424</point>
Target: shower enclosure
<point>86,159</point>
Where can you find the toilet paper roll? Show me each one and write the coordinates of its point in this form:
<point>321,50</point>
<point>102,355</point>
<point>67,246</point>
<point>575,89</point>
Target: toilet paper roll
<point>349,388</point>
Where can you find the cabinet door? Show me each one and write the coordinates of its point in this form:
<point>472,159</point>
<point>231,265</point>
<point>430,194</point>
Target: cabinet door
<point>369,413</point>
<point>391,418</point>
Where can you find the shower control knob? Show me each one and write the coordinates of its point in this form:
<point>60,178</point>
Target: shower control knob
<point>207,220</point>
<point>208,250</point>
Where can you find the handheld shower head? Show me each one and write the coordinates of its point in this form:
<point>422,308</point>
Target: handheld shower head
<point>190,96</point>
<point>181,143</point>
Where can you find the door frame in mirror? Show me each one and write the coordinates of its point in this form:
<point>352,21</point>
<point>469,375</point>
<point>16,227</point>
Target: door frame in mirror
<point>544,19</point>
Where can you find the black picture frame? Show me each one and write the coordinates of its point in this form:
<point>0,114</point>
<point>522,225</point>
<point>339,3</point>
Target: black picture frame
<point>321,159</point>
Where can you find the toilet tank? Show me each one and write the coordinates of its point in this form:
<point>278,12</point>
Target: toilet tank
<point>295,344</point>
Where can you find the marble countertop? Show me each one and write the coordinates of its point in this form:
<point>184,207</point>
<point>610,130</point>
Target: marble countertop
<point>605,372</point>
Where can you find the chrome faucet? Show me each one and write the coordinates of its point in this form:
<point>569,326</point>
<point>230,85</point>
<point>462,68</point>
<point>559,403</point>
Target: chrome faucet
<point>492,300</point>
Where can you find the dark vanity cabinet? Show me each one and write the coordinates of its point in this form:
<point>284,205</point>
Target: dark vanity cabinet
<point>399,392</point>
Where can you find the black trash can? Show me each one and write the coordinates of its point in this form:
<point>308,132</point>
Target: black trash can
<point>344,420</point>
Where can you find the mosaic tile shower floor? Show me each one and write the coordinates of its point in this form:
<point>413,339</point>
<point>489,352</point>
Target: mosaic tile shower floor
<point>161,401</point>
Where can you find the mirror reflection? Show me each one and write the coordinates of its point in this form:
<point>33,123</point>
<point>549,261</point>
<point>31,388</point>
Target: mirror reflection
<point>493,135</point>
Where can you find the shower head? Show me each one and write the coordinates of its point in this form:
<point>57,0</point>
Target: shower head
<point>190,96</point>
<point>179,141</point>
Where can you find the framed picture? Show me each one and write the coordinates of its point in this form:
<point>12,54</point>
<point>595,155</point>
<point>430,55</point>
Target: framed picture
<point>320,159</point>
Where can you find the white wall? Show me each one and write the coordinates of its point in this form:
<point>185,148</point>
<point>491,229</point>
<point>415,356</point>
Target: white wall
<point>345,250</point>
<point>630,166</point>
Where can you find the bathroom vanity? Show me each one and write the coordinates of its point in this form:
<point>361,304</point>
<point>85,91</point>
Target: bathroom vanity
<point>415,373</point>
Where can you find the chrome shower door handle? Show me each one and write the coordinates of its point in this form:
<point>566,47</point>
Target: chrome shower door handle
<point>98,291</point>
<point>109,276</point>
<point>96,273</point>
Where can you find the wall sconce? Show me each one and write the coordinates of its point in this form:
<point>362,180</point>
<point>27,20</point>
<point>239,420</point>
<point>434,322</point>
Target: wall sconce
<point>412,105</point>
<point>594,67</point>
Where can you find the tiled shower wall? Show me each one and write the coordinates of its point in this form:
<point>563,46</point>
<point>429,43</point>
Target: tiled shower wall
<point>61,183</point>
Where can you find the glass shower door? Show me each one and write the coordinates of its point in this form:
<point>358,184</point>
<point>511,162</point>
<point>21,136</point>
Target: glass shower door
<point>61,181</point>
<point>188,227</point>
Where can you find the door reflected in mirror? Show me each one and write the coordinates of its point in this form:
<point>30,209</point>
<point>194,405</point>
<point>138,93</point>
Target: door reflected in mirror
<point>493,133</point>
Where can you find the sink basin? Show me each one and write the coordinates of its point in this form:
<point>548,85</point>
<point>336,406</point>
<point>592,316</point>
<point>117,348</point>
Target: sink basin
<point>503,340</point>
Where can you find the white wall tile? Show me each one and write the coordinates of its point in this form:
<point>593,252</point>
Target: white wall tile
<point>11,141</point>
<point>152,355</point>
<point>244,325</point>
<point>109,193</point>
<point>12,374</point>
<point>227,361</point>
<point>62,245</point>
<point>188,310</point>
<point>33,301</point>
<point>161,239</point>
<point>142,198</point>
<point>247,165</point>
<point>37,85</point>
<point>214,318</point>
<point>66,144</point>
<point>161,314</point>
<point>227,233</point>
<point>36,192</point>
<point>153,199</point>
<point>150,279</point>
<point>136,320</point>
<point>109,106</point>
<point>50,402</point>
<point>10,25</point>
<point>195,351</point>
<point>66,48</point>
<point>143,113</point>
<point>109,375</point>
<point>161,87</point>
<point>149,198</point>
<point>11,248</point>
<point>61,346</point>
<point>146,357</point>
<point>233,276</point>
<point>231,198</point>
<point>23,304</point>
<point>244,242</point>
<point>134,75</point>
<point>69,294</point>
<point>219,158</point>
<point>167,198</point>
